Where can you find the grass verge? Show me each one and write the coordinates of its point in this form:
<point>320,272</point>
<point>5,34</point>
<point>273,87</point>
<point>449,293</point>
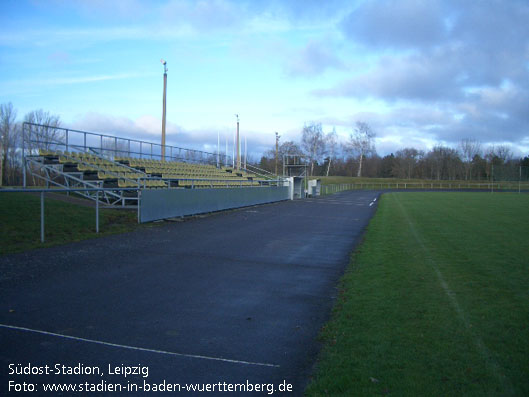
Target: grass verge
<point>434,302</point>
<point>64,222</point>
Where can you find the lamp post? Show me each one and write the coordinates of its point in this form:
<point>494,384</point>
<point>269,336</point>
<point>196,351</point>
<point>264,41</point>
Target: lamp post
<point>164,63</point>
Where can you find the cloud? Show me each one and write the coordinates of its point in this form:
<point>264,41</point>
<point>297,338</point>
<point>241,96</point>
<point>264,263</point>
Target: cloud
<point>395,23</point>
<point>87,79</point>
<point>315,58</point>
<point>413,77</point>
<point>104,9</point>
<point>446,70</point>
<point>147,128</point>
<point>29,86</point>
<point>204,15</point>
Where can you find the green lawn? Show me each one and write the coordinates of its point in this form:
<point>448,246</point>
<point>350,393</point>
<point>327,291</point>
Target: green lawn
<point>64,222</point>
<point>435,301</point>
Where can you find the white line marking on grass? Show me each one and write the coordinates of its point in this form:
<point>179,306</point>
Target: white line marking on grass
<point>483,350</point>
<point>143,349</point>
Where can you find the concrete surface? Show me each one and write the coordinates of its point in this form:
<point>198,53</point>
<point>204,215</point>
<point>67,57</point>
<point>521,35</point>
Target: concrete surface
<point>236,297</point>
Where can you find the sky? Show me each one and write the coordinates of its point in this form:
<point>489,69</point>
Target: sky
<point>420,73</point>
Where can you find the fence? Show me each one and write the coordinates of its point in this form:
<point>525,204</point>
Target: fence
<point>164,203</point>
<point>72,190</point>
<point>491,186</point>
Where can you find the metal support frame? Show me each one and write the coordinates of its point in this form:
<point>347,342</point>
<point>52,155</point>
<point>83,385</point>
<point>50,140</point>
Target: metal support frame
<point>298,164</point>
<point>56,177</point>
<point>74,140</point>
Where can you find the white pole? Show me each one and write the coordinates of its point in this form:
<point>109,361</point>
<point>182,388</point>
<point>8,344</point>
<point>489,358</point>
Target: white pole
<point>233,153</point>
<point>226,154</point>
<point>245,151</point>
<point>164,107</point>
<point>218,148</point>
<point>238,145</point>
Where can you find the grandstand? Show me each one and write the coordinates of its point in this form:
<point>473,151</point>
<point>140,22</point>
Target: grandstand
<point>73,159</point>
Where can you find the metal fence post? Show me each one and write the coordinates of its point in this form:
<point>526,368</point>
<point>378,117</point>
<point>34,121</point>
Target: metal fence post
<point>520,181</point>
<point>97,211</point>
<point>41,217</point>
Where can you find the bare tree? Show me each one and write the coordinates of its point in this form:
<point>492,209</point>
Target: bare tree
<point>406,161</point>
<point>444,162</point>
<point>331,142</point>
<point>287,148</point>
<point>43,135</point>
<point>499,154</point>
<point>361,143</point>
<point>7,139</point>
<point>313,143</point>
<point>469,148</point>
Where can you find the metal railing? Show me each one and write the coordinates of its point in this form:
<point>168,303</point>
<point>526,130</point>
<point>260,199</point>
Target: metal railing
<point>111,146</point>
<point>43,191</point>
<point>488,186</point>
<point>212,182</point>
<point>37,136</point>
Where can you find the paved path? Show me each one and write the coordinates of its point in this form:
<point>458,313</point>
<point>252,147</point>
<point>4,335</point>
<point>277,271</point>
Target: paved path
<point>236,297</point>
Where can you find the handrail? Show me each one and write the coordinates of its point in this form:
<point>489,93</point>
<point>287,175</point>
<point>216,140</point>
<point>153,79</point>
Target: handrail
<point>499,185</point>
<point>67,144</point>
<point>260,170</point>
<point>59,190</point>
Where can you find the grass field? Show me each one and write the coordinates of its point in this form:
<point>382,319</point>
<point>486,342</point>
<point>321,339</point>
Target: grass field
<point>435,301</point>
<point>64,222</point>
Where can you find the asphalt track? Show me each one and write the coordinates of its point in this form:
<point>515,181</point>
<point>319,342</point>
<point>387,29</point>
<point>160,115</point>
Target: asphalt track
<point>237,298</point>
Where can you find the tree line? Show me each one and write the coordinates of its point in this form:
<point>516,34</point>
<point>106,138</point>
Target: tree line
<point>357,156</point>
<point>11,139</point>
<point>322,151</point>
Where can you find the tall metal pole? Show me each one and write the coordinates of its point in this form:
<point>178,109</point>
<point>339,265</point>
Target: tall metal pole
<point>164,63</point>
<point>238,146</point>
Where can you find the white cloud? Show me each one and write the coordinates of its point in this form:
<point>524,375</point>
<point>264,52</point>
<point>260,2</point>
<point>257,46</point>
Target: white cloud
<point>148,129</point>
<point>461,69</point>
<point>396,23</point>
<point>315,58</point>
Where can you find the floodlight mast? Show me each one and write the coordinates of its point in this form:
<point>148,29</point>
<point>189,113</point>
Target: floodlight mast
<point>164,63</point>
